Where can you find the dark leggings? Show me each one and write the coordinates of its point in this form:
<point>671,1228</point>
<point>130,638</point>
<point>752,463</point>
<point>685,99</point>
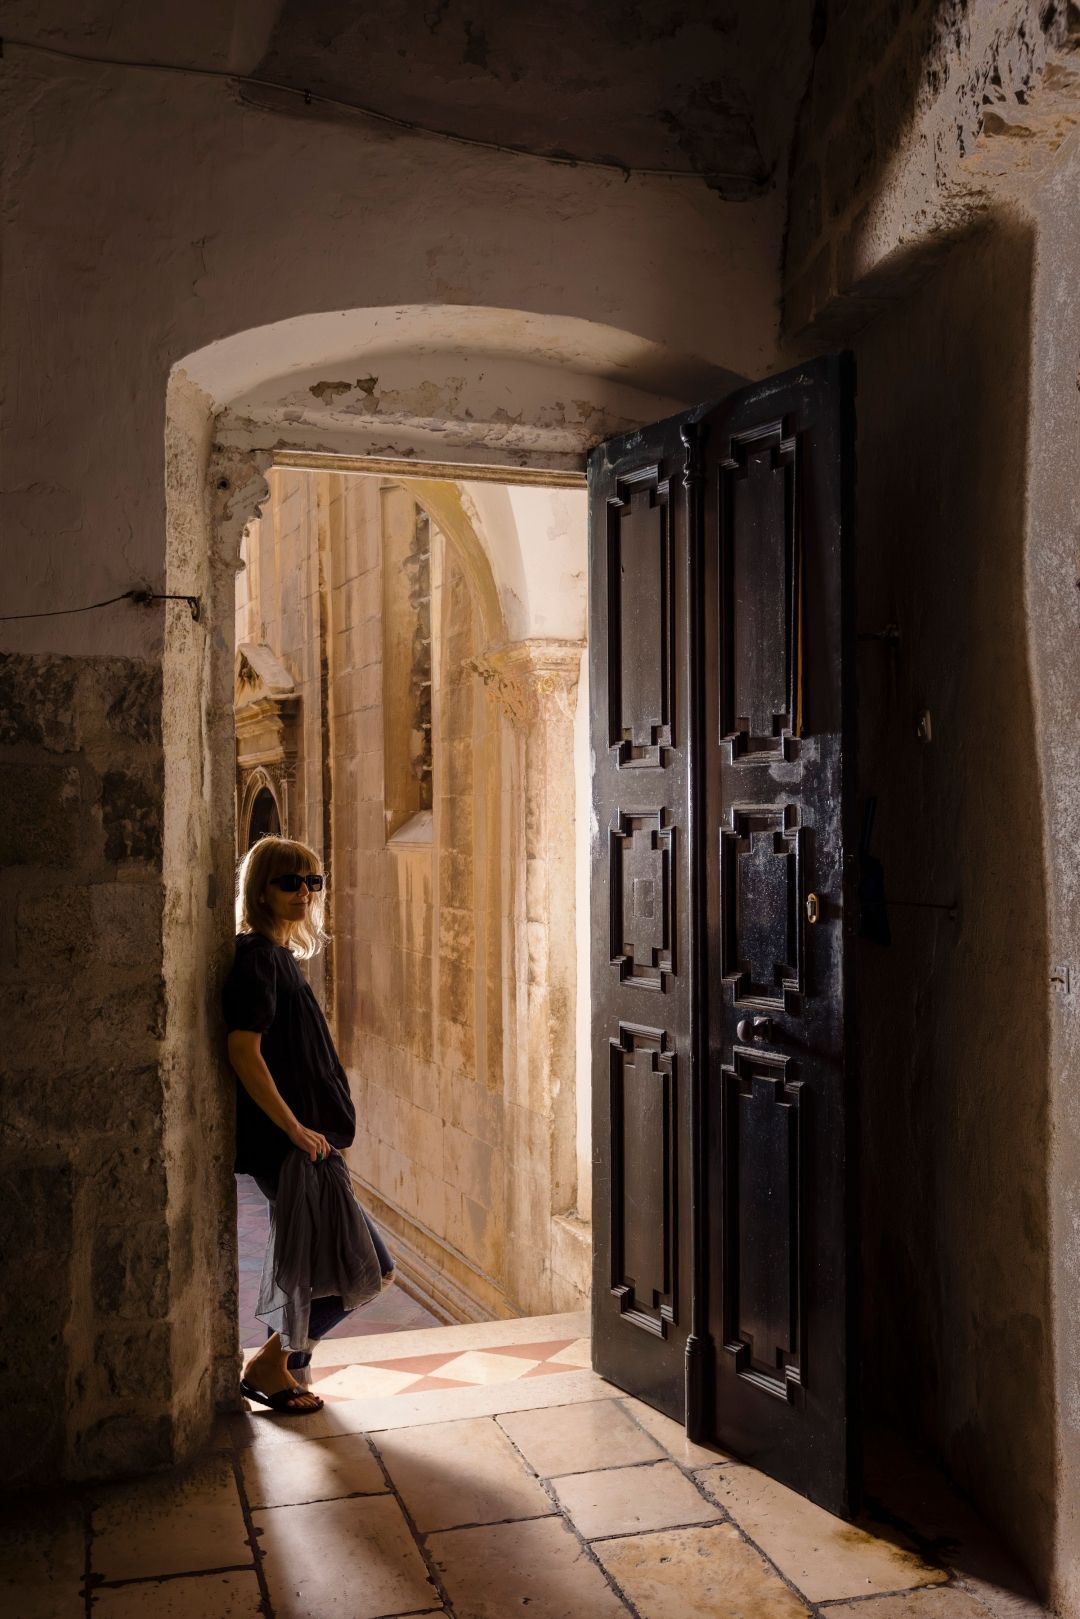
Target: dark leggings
<point>326,1313</point>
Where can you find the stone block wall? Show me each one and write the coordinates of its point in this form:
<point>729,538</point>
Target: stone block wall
<point>419,1010</point>
<point>87,1250</point>
<point>281,601</point>
<point>911,108</point>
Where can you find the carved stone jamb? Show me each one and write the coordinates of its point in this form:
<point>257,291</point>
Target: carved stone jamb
<point>534,683</point>
<point>238,490</point>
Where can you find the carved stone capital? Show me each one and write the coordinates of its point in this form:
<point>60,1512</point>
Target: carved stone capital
<point>532,680</point>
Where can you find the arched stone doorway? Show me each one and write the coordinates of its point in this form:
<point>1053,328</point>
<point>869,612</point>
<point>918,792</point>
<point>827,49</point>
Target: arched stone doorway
<point>265,821</point>
<point>246,404</point>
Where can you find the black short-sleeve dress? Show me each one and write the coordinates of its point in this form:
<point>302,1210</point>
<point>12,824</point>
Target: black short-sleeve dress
<point>266,992</point>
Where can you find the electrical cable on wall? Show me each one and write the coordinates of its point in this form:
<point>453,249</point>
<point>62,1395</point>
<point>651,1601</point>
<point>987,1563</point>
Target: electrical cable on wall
<point>143,598</point>
<point>309,97</point>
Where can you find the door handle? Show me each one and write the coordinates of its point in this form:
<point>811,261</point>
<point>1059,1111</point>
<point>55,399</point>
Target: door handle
<point>813,909</point>
<point>755,1028</point>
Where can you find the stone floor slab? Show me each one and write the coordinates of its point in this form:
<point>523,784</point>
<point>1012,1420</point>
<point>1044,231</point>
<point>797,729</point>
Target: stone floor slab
<point>42,1559</point>
<point>456,1473</point>
<point>351,1559</point>
<point>708,1573</point>
<point>413,1410</point>
<point>553,1576</point>
<point>322,1470</point>
<point>175,1524</point>
<point>824,1557</point>
<point>579,1439</point>
<point>200,1596</point>
<point>629,1500</point>
<point>931,1602</point>
<point>672,1435</point>
<point>268,1429</point>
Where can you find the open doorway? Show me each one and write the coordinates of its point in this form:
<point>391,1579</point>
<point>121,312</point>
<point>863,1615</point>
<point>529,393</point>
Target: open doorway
<point>409,670</point>
<point>507,671</point>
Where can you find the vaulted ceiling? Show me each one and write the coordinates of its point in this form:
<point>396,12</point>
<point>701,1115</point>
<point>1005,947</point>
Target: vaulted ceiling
<point>707,86</point>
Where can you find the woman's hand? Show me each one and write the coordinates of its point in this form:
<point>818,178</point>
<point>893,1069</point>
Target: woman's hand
<point>311,1142</point>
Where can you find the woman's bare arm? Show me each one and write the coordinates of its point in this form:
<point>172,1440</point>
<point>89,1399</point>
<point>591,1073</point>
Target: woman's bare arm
<point>245,1054</point>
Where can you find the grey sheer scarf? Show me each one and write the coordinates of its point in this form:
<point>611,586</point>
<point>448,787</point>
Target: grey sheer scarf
<point>319,1247</point>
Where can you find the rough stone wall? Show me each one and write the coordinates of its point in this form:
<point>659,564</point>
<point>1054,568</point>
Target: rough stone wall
<point>86,1253</point>
<point>1051,597</point>
<point>928,132</point>
<point>954,1075</point>
<point>913,106</point>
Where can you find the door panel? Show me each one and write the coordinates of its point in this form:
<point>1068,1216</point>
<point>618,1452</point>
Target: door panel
<point>723,996</point>
<point>780,774</point>
<point>641,1003</point>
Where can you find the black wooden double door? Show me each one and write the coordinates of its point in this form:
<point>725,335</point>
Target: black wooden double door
<point>722,923</point>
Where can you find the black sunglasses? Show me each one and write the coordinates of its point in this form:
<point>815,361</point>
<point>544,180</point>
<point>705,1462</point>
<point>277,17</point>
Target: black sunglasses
<point>291,882</point>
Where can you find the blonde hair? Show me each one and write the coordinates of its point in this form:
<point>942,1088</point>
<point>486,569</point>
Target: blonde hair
<point>272,857</point>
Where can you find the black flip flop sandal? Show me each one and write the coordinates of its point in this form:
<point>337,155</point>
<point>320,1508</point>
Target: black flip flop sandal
<point>284,1401</point>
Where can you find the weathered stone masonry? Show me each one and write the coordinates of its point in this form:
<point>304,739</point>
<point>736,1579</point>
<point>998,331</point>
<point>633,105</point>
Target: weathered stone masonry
<point>87,1257</point>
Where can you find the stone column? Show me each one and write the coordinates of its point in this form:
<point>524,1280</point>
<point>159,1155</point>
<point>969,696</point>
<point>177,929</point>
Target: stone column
<point>535,684</point>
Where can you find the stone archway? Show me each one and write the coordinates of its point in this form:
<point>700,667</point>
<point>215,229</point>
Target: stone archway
<point>232,410</point>
<point>260,816</point>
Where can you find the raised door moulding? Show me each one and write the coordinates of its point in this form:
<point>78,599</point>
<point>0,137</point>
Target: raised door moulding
<point>763,1175</point>
<point>761,653</point>
<point>643,1177</point>
<point>641,645</point>
<point>761,914</point>
<point>642,891</point>
<point>533,679</point>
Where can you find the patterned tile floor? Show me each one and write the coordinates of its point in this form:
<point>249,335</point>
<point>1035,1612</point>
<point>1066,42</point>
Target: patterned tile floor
<point>451,1368</point>
<point>552,1495</point>
<point>392,1311</point>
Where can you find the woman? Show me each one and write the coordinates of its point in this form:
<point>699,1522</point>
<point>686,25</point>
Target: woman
<point>292,1095</point>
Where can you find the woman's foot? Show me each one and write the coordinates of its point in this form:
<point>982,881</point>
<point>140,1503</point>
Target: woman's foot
<point>390,1277</point>
<point>268,1372</point>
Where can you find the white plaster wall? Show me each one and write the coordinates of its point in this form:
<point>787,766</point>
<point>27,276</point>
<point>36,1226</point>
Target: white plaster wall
<point>553,532</point>
<point>537,541</point>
